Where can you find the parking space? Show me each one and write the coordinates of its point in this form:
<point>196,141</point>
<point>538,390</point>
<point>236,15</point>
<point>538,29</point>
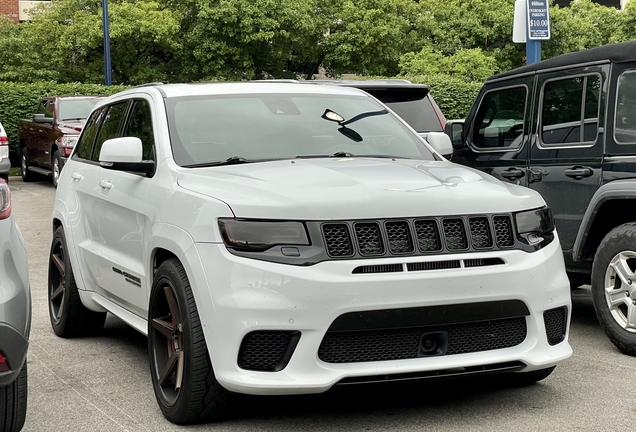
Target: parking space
<point>103,383</point>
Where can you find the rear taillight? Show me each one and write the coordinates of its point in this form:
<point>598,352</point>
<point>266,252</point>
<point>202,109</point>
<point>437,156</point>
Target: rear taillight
<point>5,200</point>
<point>4,147</point>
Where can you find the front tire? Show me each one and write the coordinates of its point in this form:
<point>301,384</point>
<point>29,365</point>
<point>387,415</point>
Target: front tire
<point>56,167</point>
<point>13,403</point>
<point>69,317</point>
<point>614,287</point>
<point>182,376</point>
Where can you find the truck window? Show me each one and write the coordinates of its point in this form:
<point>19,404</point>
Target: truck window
<point>499,120</point>
<point>111,126</point>
<point>570,110</point>
<point>625,123</point>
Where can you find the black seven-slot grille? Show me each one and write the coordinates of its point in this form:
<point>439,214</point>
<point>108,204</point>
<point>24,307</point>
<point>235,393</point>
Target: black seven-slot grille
<point>421,332</point>
<point>418,236</point>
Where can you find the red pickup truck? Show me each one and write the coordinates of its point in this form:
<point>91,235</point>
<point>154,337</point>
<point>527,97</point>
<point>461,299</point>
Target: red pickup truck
<point>47,139</point>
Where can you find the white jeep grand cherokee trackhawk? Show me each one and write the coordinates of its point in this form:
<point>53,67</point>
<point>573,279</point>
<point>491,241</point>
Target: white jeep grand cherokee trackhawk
<point>281,238</point>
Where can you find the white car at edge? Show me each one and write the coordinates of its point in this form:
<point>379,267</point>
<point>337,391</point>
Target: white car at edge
<point>282,238</point>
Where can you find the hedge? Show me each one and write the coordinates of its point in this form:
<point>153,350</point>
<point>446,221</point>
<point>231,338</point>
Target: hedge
<point>19,101</point>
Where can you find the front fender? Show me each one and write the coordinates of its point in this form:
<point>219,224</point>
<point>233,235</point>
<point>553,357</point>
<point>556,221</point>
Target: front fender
<point>619,189</point>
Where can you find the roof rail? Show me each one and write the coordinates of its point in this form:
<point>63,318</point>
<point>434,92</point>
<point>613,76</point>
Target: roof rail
<point>150,84</point>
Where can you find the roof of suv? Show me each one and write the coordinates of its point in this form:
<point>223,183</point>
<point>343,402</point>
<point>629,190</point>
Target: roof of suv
<point>616,53</point>
<point>248,87</point>
<point>373,84</point>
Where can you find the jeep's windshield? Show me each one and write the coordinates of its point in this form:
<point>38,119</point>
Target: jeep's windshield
<point>209,129</point>
<point>76,109</point>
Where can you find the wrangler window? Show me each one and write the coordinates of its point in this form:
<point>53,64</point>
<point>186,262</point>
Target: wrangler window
<point>625,123</point>
<point>500,118</point>
<point>570,111</point>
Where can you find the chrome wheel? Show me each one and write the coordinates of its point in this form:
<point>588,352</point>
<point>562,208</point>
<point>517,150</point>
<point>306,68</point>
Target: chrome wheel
<point>24,164</point>
<point>57,280</point>
<point>620,289</point>
<point>169,356</point>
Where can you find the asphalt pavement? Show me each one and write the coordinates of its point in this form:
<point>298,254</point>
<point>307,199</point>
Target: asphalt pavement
<point>103,383</point>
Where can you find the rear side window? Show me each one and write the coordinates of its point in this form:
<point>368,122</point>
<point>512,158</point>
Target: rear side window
<point>625,123</point>
<point>111,126</point>
<point>499,120</point>
<point>570,110</point>
<point>85,143</point>
<point>414,107</point>
<point>140,126</point>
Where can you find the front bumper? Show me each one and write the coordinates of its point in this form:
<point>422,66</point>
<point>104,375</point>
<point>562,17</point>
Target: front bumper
<point>236,296</point>
<point>15,299</point>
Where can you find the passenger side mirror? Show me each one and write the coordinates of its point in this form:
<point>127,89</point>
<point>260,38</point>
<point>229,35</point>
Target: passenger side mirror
<point>441,143</point>
<point>456,132</point>
<point>41,118</point>
<point>125,154</point>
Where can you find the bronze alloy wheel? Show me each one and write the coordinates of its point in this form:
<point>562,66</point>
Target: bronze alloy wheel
<point>57,280</point>
<point>182,376</point>
<point>169,357</point>
<point>69,317</point>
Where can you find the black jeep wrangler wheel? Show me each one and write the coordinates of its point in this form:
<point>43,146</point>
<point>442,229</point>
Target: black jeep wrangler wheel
<point>614,286</point>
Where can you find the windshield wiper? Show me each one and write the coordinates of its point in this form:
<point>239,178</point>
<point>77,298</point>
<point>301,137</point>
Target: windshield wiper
<point>74,118</point>
<point>335,155</point>
<point>234,160</point>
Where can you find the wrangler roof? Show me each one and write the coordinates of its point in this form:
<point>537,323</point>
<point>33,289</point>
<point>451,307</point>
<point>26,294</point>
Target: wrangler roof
<point>616,53</point>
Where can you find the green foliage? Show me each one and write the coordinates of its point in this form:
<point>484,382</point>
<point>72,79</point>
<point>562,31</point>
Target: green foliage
<point>18,101</point>
<point>468,64</point>
<point>582,25</point>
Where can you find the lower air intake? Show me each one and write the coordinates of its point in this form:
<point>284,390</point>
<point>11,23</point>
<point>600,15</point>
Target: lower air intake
<point>267,351</point>
<point>555,325</point>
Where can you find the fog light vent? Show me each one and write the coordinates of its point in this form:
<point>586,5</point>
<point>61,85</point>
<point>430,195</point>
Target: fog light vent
<point>555,325</point>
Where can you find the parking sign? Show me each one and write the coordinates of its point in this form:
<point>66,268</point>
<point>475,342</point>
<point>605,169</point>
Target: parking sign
<point>538,20</point>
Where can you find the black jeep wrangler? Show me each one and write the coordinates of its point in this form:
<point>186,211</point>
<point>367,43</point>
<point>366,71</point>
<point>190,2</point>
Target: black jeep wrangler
<point>566,127</point>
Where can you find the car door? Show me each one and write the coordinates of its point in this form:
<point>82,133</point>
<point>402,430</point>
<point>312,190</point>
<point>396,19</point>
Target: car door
<point>122,218</point>
<point>82,204</point>
<point>40,133</point>
<point>496,137</point>
<point>567,144</point>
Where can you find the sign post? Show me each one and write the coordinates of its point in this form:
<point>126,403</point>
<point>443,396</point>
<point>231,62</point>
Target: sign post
<point>538,25</point>
<point>107,68</point>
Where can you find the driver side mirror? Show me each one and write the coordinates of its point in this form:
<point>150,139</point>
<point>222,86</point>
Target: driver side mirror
<point>125,154</point>
<point>41,118</point>
<point>455,129</point>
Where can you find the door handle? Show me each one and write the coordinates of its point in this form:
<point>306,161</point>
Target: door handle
<point>105,184</point>
<point>77,176</point>
<point>578,172</point>
<point>512,174</point>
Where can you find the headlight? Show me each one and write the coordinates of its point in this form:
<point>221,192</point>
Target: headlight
<point>535,225</point>
<point>258,236</point>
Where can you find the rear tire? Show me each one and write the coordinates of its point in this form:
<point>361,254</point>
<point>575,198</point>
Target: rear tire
<point>69,317</point>
<point>13,403</point>
<point>27,175</point>
<point>614,286</point>
<point>182,376</point>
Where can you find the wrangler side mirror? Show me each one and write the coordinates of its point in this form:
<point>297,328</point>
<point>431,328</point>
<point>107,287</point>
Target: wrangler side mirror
<point>455,129</point>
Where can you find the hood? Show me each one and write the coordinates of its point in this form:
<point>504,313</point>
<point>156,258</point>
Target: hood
<point>71,127</point>
<point>355,188</point>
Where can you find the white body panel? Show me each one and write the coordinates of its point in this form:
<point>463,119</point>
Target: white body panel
<point>178,210</point>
